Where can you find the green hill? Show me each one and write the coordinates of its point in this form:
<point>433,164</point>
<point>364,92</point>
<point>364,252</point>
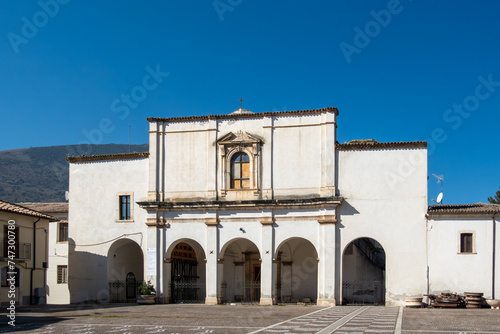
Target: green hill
<point>40,174</point>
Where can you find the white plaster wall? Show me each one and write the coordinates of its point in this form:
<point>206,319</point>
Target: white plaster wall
<point>25,225</point>
<point>93,215</point>
<point>450,271</point>
<point>387,202</point>
<point>186,155</point>
<point>58,256</point>
<point>497,256</point>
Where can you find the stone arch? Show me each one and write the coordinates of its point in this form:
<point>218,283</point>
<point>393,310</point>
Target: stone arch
<point>363,272</point>
<point>186,261</point>
<point>296,273</point>
<point>125,256</point>
<point>240,275</point>
<point>198,248</point>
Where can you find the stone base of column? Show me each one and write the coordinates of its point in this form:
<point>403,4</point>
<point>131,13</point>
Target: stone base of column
<point>326,302</point>
<point>266,301</point>
<point>162,300</point>
<point>211,301</point>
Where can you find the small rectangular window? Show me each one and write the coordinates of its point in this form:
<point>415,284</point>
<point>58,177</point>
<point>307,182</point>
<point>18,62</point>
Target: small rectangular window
<point>62,274</point>
<point>466,245</point>
<point>63,232</point>
<point>125,207</point>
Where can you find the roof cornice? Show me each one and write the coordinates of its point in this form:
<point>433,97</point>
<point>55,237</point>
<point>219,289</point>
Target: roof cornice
<point>483,209</point>
<point>269,203</point>
<point>374,145</point>
<point>21,210</point>
<point>107,157</point>
<point>244,115</point>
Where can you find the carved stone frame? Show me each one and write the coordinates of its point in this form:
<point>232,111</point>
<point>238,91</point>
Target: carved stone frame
<point>231,144</point>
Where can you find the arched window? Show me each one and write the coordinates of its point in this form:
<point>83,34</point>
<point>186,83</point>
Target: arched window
<point>240,171</point>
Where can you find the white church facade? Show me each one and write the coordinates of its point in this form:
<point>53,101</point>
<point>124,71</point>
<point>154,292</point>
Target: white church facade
<point>268,208</point>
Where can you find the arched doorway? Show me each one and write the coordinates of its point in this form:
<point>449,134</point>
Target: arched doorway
<point>131,284</point>
<point>296,272</point>
<point>241,274</point>
<point>363,273</point>
<point>125,270</point>
<point>187,273</point>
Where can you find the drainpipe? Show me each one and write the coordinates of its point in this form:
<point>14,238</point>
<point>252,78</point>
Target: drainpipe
<point>34,261</point>
<point>493,258</point>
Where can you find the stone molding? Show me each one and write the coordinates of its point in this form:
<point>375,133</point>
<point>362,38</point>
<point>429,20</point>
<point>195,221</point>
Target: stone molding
<point>327,219</point>
<point>157,222</point>
<point>211,222</point>
<point>267,221</point>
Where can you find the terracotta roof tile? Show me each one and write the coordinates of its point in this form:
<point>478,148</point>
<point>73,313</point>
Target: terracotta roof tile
<point>60,207</point>
<point>479,208</point>
<point>243,115</point>
<point>16,208</point>
<point>105,157</point>
<point>371,144</point>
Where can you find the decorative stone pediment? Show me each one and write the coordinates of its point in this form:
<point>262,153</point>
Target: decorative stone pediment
<point>239,138</point>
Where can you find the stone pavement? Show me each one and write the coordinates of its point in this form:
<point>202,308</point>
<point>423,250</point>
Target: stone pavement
<point>194,319</point>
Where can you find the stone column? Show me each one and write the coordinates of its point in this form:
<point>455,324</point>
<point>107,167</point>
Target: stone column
<point>212,265</point>
<point>326,264</point>
<point>267,281</point>
<point>167,273</point>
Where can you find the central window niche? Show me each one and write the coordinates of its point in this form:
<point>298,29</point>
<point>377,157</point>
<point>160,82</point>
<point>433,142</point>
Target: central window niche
<point>239,156</point>
<point>240,171</point>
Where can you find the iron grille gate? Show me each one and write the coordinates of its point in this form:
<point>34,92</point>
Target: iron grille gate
<point>185,286</point>
<point>363,292</point>
<point>251,294</point>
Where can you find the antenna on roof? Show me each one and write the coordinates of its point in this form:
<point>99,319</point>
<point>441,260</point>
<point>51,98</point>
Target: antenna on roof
<point>440,179</point>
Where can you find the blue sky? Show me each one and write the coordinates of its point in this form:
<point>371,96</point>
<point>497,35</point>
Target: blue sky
<point>78,71</point>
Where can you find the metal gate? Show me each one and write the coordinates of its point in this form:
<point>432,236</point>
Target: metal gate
<point>363,292</point>
<point>252,292</point>
<point>185,286</point>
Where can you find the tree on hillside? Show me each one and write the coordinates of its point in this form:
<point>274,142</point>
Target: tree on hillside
<point>496,199</point>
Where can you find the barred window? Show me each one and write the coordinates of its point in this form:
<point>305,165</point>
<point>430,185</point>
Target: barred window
<point>62,274</point>
<point>125,207</point>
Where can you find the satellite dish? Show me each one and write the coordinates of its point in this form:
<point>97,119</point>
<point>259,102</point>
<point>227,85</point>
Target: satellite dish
<point>66,195</point>
<point>439,198</point>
